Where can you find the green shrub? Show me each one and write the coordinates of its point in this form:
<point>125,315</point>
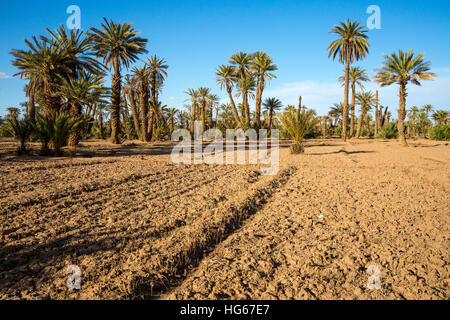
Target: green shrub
<point>163,133</point>
<point>441,133</point>
<point>297,148</point>
<point>389,131</point>
<point>21,130</point>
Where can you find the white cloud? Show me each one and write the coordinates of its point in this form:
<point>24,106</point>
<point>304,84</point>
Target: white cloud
<point>321,95</point>
<point>172,98</point>
<point>3,75</point>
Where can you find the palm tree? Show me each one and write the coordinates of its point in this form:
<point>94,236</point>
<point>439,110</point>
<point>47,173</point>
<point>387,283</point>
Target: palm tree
<point>79,91</point>
<point>428,108</point>
<point>130,90</point>
<point>226,77</point>
<point>119,45</point>
<point>246,87</point>
<point>43,64</point>
<point>352,45</point>
<point>194,98</point>
<point>171,113</point>
<point>158,72</point>
<point>272,105</point>
<point>403,68</point>
<point>204,96</point>
<point>261,65</point>
<point>357,75</point>
<point>366,100</point>
<point>336,112</point>
<point>141,76</point>
<point>441,117</point>
<point>242,61</point>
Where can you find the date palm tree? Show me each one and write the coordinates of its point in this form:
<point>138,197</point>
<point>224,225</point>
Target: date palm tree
<point>204,96</point>
<point>403,68</point>
<point>352,45</point>
<point>262,66</point>
<point>366,100</point>
<point>130,90</point>
<point>242,62</point>
<point>357,76</point>
<point>119,45</point>
<point>226,78</point>
<point>141,77</point>
<point>271,106</point>
<point>157,68</point>
<point>79,91</point>
<point>246,88</point>
<point>441,117</point>
<point>194,98</point>
<point>42,64</point>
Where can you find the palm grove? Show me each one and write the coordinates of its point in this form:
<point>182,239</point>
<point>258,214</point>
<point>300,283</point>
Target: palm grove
<point>68,100</point>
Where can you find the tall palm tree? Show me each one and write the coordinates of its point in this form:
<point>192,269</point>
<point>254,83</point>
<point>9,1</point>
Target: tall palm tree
<point>171,114</point>
<point>337,112</point>
<point>158,72</point>
<point>357,76</point>
<point>246,87</point>
<point>403,68</point>
<point>194,99</point>
<point>43,64</point>
<point>272,105</point>
<point>242,61</point>
<point>141,76</point>
<point>226,77</point>
<point>119,45</point>
<point>79,91</point>
<point>352,45</point>
<point>428,108</point>
<point>204,96</point>
<point>441,117</point>
<point>130,90</point>
<point>262,66</point>
<point>366,100</point>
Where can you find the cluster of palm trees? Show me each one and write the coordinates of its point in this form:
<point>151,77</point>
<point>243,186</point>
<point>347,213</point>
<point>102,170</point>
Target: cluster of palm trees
<point>65,75</point>
<point>400,68</point>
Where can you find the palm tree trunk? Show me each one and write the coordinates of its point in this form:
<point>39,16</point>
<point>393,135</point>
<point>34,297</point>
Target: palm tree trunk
<point>377,116</point>
<point>143,102</point>
<point>366,120</point>
<point>100,124</point>
<point>203,117</point>
<point>259,93</point>
<point>115,103</point>
<point>31,107</point>
<point>352,119</point>
<point>402,115</point>
<point>360,121</point>
<point>270,119</point>
<point>246,109</point>
<point>75,135</point>
<point>346,91</point>
<point>134,113</point>
<point>233,107</point>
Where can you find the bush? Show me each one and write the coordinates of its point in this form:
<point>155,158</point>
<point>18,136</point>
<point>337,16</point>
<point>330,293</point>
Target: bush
<point>297,148</point>
<point>163,133</point>
<point>389,131</point>
<point>21,130</point>
<point>441,133</point>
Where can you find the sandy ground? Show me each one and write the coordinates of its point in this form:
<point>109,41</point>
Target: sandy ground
<point>139,226</point>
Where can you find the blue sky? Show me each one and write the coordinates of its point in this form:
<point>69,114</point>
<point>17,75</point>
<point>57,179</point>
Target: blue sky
<point>196,36</point>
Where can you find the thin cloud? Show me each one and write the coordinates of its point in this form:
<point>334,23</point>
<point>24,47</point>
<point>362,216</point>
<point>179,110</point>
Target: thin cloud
<point>3,75</point>
<point>321,95</point>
